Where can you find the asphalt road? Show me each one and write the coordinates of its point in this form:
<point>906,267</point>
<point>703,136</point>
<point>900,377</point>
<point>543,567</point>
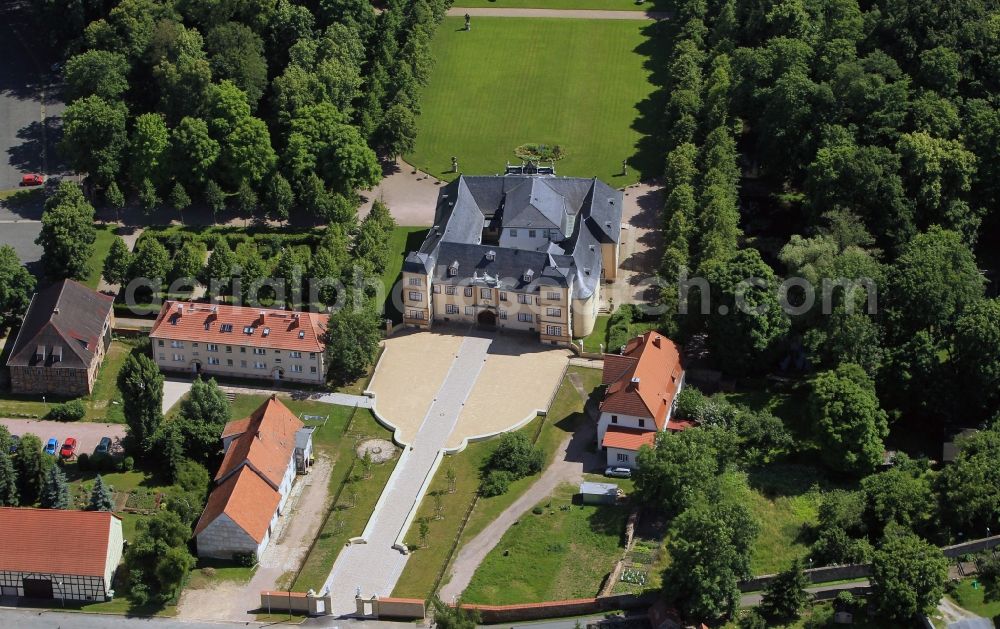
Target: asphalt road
<point>30,126</point>
<point>41,619</point>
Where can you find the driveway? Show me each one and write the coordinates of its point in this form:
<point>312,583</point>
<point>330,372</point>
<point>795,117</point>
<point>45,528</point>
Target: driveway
<point>640,250</point>
<point>173,390</point>
<point>296,529</point>
<point>411,198</point>
<point>88,434</point>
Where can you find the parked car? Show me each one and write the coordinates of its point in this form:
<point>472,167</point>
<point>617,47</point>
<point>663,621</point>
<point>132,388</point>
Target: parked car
<point>32,179</point>
<point>14,441</point>
<point>104,447</point>
<point>51,446</point>
<point>68,448</point>
<point>618,472</point>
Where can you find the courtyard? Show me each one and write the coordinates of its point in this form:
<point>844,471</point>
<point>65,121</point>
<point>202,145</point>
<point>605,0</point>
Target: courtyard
<point>517,381</point>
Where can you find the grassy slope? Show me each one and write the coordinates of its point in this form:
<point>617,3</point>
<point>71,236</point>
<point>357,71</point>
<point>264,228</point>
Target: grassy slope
<point>562,553</point>
<point>576,83</point>
<point>599,336</point>
<point>594,5</point>
<point>427,563</point>
<point>105,236</point>
<point>402,241</point>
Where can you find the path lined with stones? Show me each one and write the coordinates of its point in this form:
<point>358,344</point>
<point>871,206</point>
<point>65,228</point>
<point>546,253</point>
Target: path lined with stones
<point>374,567</point>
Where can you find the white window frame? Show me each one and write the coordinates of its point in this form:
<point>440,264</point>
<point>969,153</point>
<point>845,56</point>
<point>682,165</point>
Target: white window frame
<point>525,317</point>
<point>296,368</point>
<point>553,312</point>
<point>449,289</point>
<point>553,330</point>
<point>294,354</point>
<point>468,291</point>
<point>523,299</point>
<point>414,281</point>
<point>416,295</point>
<point>436,289</point>
<point>470,311</point>
<point>178,358</point>
<point>553,296</point>
<point>259,365</point>
<point>260,351</point>
<point>503,314</point>
<point>450,309</point>
<point>486,293</point>
<point>177,344</point>
<point>212,360</point>
<point>212,347</point>
<point>622,457</point>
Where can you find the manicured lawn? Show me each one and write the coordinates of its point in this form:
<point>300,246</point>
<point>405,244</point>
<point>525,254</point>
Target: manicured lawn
<point>598,339</point>
<point>338,441</point>
<point>974,599</point>
<point>100,404</point>
<point>564,552</point>
<point>402,241</point>
<point>594,5</point>
<point>105,236</point>
<point>581,84</point>
<point>427,564</point>
<point>208,572</point>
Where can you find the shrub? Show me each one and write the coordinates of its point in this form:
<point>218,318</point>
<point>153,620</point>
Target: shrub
<point>83,462</point>
<point>68,411</point>
<point>690,403</point>
<point>516,454</point>
<point>496,483</point>
<point>246,560</point>
<point>538,511</point>
<point>127,464</point>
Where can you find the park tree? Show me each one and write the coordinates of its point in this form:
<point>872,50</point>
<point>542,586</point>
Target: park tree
<point>158,560</point>
<point>94,137</point>
<point>236,53</point>
<point>398,131</point>
<point>247,201</point>
<point>278,197</point>
<point>902,495</point>
<point>141,384</point>
<point>747,322</point>
<point>352,340</point>
<point>170,447</point>
<point>203,415</point>
<point>16,286</point>
<point>151,261</point>
<point>114,198</point>
<point>682,467</point>
<point>30,468</point>
<point>969,488</point>
<point>516,454</point>
<point>117,262</point>
<point>193,152</point>
<point>785,594</point>
<point>908,577</point>
<point>188,262</point>
<point>934,280</point>
<point>148,197</point>
<point>215,198</point>
<point>178,198</point>
<point>9,495</point>
<point>849,423</point>
<point>246,153</point>
<point>68,233</point>
<point>148,149</point>
<point>219,270</point>
<point>100,496</point>
<point>938,174</point>
<point>976,359</point>
<point>99,73</point>
<point>55,489</point>
<point>711,555</point>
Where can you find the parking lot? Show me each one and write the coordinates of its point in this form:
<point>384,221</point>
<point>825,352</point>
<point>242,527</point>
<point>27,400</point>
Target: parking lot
<point>87,434</point>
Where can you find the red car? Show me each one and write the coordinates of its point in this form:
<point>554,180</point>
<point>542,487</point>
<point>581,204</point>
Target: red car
<point>68,448</point>
<point>32,179</point>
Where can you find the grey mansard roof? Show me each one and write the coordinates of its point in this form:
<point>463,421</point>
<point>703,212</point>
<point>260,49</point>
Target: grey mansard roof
<point>587,212</point>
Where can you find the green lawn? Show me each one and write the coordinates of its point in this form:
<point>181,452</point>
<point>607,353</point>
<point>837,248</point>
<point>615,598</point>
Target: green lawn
<point>105,236</point>
<point>402,241</point>
<point>599,337</point>
<point>429,563</point>
<point>975,600</point>
<point>582,84</point>
<point>594,5</point>
<point>564,552</point>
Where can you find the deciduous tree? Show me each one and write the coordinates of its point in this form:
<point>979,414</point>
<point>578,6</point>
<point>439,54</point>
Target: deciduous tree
<point>68,234</point>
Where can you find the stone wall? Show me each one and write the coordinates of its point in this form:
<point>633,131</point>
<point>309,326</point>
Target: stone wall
<point>815,575</point>
<point>223,538</point>
<point>51,380</point>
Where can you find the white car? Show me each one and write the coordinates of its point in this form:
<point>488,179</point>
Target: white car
<point>618,472</point>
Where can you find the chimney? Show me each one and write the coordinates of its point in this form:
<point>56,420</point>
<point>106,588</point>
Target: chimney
<point>262,316</point>
<point>55,311</point>
<point>656,340</point>
<point>635,383</point>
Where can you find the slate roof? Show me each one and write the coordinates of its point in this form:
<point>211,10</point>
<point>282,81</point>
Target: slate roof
<point>67,315</point>
<point>654,361</point>
<point>587,211</point>
<point>278,329</point>
<point>55,541</point>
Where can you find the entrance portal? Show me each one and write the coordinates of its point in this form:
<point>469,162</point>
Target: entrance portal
<point>487,318</point>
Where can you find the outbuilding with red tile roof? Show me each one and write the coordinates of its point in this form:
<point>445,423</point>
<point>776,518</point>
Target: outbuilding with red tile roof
<point>59,553</point>
<point>642,386</point>
<point>259,465</point>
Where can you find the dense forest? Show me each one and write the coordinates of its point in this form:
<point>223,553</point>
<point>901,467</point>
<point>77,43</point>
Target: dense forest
<point>836,139</point>
<point>265,105</point>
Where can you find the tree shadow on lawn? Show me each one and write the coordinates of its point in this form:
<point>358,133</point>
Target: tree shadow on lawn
<point>650,154</point>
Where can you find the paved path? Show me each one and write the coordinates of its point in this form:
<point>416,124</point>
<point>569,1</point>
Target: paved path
<point>411,196</point>
<point>375,566</point>
<point>585,14</point>
<point>753,599</point>
<point>572,459</point>
<point>173,390</point>
<point>343,399</point>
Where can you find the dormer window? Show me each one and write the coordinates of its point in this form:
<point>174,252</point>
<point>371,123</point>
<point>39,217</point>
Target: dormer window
<point>248,330</point>
<point>266,331</point>
<point>491,255</point>
<point>57,354</point>
<point>528,275</point>
<point>302,334</point>
<point>40,353</point>
<point>453,269</point>
<point>226,327</point>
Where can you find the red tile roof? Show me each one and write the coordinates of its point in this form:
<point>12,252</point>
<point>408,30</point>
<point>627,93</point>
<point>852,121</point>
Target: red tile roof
<point>678,425</point>
<point>187,321</point>
<point>248,501</point>
<point>628,438</point>
<point>54,541</point>
<point>642,381</point>
<point>267,442</point>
